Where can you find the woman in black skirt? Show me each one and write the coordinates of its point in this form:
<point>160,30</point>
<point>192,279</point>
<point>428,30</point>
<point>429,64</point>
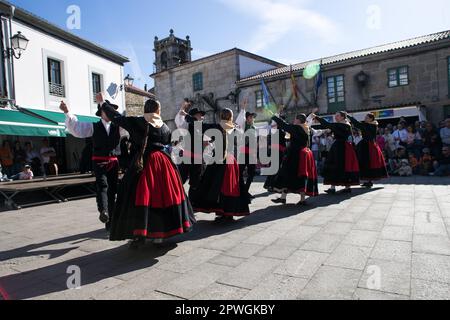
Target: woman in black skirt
<point>279,147</point>
<point>151,203</point>
<point>220,190</point>
<point>372,164</point>
<point>341,167</point>
<point>298,173</point>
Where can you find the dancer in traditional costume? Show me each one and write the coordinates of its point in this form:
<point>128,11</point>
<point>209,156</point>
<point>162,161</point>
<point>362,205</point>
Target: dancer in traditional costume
<point>191,171</point>
<point>105,142</point>
<point>220,189</point>
<point>151,202</point>
<point>276,146</point>
<point>341,167</point>
<point>372,164</point>
<point>298,173</point>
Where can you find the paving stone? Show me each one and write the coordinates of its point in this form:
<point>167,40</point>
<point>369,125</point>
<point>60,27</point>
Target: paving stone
<point>331,283</point>
<point>190,260</point>
<point>429,290</point>
<point>351,257</point>
<point>339,228</point>
<point>434,244</point>
<point>369,224</point>
<point>244,250</point>
<point>371,295</point>
<point>387,276</point>
<point>218,291</point>
<point>302,264</point>
<point>275,251</point>
<point>277,287</point>
<point>248,275</point>
<point>298,236</point>
<point>195,281</point>
<point>397,233</point>
<point>431,267</point>
<point>323,243</point>
<point>227,261</point>
<point>398,251</point>
<point>404,221</point>
<point>361,238</point>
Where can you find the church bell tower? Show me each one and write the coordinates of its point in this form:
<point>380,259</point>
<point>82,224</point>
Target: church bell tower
<point>171,52</point>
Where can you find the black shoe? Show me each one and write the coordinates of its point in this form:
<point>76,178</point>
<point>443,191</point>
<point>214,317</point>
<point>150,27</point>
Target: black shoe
<point>330,191</point>
<point>279,201</point>
<point>367,185</point>
<point>104,218</point>
<point>302,203</point>
<point>346,190</point>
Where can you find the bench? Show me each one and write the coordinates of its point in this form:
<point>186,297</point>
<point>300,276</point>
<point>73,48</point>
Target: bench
<point>52,186</point>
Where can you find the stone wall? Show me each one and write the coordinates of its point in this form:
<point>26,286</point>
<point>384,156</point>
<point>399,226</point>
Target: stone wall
<point>134,104</point>
<point>428,83</point>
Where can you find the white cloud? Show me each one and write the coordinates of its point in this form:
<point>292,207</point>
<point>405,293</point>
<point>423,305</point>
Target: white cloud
<point>279,18</point>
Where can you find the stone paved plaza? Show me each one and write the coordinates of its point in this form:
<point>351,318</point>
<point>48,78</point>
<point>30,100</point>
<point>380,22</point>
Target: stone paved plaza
<point>391,242</point>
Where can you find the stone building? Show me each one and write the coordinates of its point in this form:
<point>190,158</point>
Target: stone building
<point>135,99</point>
<point>408,78</point>
<point>209,82</point>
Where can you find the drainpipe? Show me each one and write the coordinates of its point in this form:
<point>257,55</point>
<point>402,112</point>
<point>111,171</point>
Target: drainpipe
<point>11,59</point>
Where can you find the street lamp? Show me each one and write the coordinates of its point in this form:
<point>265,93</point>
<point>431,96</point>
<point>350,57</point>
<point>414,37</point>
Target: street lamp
<point>19,44</point>
<point>128,81</point>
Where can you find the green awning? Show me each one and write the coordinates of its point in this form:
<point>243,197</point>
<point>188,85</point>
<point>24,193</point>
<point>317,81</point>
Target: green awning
<point>16,123</point>
<point>61,118</point>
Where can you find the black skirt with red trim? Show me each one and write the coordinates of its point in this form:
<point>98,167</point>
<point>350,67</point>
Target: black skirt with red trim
<point>341,166</point>
<point>371,161</point>
<point>152,204</point>
<point>298,174</point>
<point>270,181</point>
<point>219,191</point>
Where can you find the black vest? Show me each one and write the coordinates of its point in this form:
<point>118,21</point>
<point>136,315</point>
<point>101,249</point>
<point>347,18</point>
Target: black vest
<point>104,145</point>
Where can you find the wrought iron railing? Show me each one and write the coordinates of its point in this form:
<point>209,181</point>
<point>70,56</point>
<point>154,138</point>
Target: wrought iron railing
<point>57,89</point>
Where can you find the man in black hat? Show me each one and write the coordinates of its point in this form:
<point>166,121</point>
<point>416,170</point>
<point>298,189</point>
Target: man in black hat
<point>193,170</point>
<point>105,141</point>
<point>250,156</point>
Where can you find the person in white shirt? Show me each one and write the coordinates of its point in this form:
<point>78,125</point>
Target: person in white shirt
<point>47,153</point>
<point>401,135</point>
<point>106,141</point>
<point>445,133</point>
<point>26,174</point>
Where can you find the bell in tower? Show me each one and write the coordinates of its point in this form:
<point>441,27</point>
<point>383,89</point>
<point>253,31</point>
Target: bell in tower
<point>171,52</point>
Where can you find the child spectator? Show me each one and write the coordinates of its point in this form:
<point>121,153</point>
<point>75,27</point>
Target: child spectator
<point>415,164</point>
<point>26,174</point>
<point>427,161</point>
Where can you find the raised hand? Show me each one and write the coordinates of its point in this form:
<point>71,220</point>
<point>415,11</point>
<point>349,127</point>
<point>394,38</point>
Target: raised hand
<point>244,104</point>
<point>63,107</point>
<point>99,98</point>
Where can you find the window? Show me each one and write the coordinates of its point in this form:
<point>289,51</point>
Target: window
<point>398,77</point>
<point>96,84</point>
<point>259,99</point>
<point>56,86</point>
<point>164,60</point>
<point>197,80</point>
<point>336,93</point>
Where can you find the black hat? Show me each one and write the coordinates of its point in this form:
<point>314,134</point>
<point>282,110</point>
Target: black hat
<point>249,114</point>
<point>99,108</point>
<point>195,111</point>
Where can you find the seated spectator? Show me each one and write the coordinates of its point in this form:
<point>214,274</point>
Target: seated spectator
<point>413,141</point>
<point>20,157</point>
<point>396,161</point>
<point>26,174</point>
<point>33,158</point>
<point>390,145</point>
<point>7,158</point>
<point>432,139</point>
<point>380,139</point>
<point>445,133</point>
<point>427,161</point>
<point>415,164</point>
<point>47,153</point>
<point>442,165</point>
<point>401,135</point>
<point>404,169</point>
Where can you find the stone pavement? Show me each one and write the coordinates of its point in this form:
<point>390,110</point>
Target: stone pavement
<point>384,243</point>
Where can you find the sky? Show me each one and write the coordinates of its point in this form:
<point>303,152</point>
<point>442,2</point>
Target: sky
<point>288,31</point>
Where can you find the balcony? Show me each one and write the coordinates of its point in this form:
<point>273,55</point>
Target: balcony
<point>57,90</point>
